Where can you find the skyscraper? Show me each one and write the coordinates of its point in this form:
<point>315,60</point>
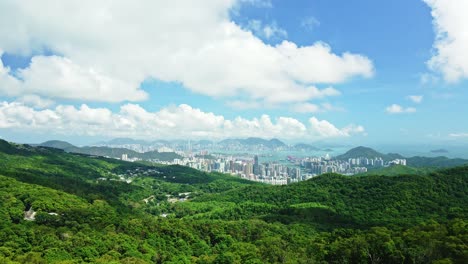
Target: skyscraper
<point>256,166</point>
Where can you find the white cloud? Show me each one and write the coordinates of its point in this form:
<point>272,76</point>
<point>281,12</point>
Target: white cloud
<point>451,27</point>
<point>173,122</point>
<point>304,64</point>
<point>323,128</point>
<point>60,77</point>
<point>354,129</point>
<point>35,101</point>
<point>106,49</point>
<point>415,98</point>
<point>398,109</point>
<point>458,135</point>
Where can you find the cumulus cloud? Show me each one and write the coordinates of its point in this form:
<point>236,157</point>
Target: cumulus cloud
<point>451,27</point>
<point>398,109</point>
<point>35,101</point>
<point>323,128</point>
<point>106,49</point>
<point>59,77</point>
<point>415,98</point>
<point>173,122</point>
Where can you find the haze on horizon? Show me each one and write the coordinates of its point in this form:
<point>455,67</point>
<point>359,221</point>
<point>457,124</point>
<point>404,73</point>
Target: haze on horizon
<point>366,72</point>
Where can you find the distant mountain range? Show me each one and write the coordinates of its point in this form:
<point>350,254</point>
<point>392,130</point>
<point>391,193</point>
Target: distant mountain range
<point>110,152</point>
<point>126,141</point>
<point>416,161</point>
<point>250,143</point>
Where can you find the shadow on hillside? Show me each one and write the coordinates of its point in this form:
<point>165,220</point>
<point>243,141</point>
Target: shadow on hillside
<point>322,218</point>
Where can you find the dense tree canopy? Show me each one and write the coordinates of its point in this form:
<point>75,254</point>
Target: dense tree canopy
<point>98,210</point>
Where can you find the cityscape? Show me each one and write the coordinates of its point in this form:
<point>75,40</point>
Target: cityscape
<point>234,131</point>
<point>273,172</point>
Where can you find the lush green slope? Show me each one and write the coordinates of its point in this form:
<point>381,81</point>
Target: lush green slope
<point>58,144</point>
<point>396,170</point>
<point>435,162</point>
<point>109,211</point>
<point>362,201</point>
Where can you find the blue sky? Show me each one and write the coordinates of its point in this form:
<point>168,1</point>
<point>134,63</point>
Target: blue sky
<point>236,69</point>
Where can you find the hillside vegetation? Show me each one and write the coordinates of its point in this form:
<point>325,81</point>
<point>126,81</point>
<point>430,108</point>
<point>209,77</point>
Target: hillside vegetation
<point>396,170</point>
<point>98,210</point>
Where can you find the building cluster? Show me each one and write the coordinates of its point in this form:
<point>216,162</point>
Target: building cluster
<point>276,173</point>
<point>362,161</point>
<point>246,168</point>
<point>126,158</point>
<point>375,162</point>
<point>320,165</point>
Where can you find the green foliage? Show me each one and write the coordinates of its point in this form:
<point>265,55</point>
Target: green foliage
<point>435,162</point>
<point>101,210</point>
<point>396,170</point>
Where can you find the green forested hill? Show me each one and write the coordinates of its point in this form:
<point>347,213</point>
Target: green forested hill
<point>363,201</point>
<point>396,170</point>
<point>435,162</point>
<point>361,151</point>
<point>101,210</point>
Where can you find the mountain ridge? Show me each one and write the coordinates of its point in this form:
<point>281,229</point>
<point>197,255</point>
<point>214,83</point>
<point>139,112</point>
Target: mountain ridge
<point>110,152</point>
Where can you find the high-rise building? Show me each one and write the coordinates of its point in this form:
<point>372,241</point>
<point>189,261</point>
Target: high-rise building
<point>256,166</point>
<point>248,169</point>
